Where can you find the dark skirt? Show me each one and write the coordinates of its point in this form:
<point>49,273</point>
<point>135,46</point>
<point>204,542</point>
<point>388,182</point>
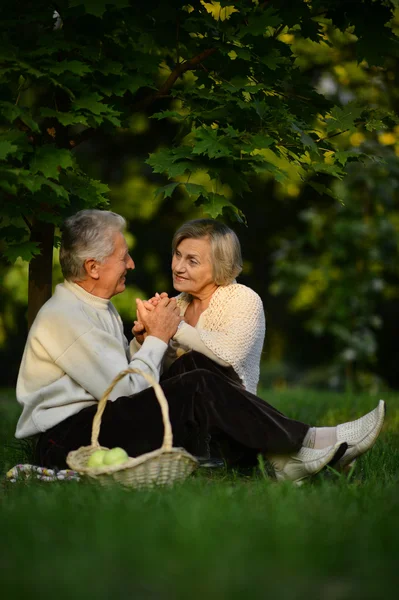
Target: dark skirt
<point>211,413</point>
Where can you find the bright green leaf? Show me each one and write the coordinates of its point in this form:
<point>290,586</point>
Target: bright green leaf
<point>64,118</point>
<point>91,103</point>
<point>194,189</point>
<point>6,148</point>
<point>214,205</point>
<point>171,161</point>
<point>180,168</point>
<point>273,59</point>
<point>167,190</point>
<point>257,141</point>
<point>343,118</point>
<point>344,155</point>
<point>9,111</point>
<point>25,250</point>
<point>50,160</point>
<point>91,191</point>
<point>209,143</point>
<point>73,66</point>
<point>219,12</point>
<point>258,23</point>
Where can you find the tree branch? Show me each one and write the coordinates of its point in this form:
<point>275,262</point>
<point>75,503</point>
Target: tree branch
<point>188,65</point>
<point>177,41</point>
<point>163,91</point>
<point>29,225</point>
<point>328,137</point>
<point>278,30</point>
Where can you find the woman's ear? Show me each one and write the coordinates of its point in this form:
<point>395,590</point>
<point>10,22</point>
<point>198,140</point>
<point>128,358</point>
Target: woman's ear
<point>91,267</point>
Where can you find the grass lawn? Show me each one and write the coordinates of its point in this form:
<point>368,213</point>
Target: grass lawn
<point>219,535</point>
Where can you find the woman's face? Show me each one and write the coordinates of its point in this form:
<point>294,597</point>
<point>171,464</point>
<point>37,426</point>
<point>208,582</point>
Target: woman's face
<point>192,267</point>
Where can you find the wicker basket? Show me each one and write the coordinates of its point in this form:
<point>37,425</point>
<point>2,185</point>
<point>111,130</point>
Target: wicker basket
<point>160,467</point>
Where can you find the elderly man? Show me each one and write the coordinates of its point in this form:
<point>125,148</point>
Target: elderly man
<point>76,347</point>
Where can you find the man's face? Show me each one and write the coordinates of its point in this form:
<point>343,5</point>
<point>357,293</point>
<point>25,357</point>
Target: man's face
<point>112,272</point>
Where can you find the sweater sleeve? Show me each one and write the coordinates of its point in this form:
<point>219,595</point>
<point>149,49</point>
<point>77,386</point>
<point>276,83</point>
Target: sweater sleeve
<point>96,357</point>
<point>134,347</point>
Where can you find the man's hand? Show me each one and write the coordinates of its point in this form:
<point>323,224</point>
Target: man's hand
<point>138,328</point>
<point>161,320</point>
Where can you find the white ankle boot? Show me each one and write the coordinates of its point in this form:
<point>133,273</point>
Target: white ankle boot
<point>305,463</point>
<point>360,435</point>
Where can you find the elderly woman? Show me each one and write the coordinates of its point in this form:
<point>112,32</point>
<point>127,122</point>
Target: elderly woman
<point>224,322</point>
<point>222,319</point>
<point>76,347</point>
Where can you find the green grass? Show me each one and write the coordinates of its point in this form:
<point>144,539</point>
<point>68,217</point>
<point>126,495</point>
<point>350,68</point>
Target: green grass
<point>219,535</point>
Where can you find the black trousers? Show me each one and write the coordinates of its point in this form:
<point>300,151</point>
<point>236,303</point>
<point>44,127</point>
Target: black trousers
<point>211,413</point>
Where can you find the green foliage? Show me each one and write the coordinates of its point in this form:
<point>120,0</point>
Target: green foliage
<point>6,148</point>
<point>236,81</point>
<point>343,261</point>
<point>50,161</point>
<point>240,86</point>
<point>343,118</point>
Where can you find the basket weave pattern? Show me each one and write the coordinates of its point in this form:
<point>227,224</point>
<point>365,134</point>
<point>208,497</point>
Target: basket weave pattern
<point>159,467</point>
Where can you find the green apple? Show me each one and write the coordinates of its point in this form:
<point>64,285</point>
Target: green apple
<point>116,456</point>
<point>97,458</point>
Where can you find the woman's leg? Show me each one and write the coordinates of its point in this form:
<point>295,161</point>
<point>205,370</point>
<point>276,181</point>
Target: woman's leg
<point>360,435</point>
<point>192,360</point>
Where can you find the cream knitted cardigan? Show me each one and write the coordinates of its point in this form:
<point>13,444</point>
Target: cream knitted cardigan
<point>233,328</point>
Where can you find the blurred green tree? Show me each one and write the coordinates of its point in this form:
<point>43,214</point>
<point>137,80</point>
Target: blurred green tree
<point>339,265</point>
<point>237,82</point>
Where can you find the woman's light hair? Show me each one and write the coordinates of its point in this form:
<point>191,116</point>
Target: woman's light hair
<point>88,234</point>
<point>225,247</point>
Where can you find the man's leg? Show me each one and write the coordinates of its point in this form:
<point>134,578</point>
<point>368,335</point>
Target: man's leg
<point>54,444</point>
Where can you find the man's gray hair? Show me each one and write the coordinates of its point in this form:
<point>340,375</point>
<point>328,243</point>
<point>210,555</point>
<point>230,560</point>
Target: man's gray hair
<point>226,256</point>
<point>88,234</point>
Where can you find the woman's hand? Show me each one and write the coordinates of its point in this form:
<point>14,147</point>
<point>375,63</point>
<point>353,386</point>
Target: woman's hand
<point>155,299</point>
<point>139,332</point>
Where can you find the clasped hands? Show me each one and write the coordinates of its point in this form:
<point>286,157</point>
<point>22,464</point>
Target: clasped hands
<point>159,316</point>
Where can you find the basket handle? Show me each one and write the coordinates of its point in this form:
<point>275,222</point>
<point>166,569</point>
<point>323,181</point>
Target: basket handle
<point>167,443</point>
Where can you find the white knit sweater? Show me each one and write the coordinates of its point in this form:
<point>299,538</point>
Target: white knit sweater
<point>232,328</point>
<point>75,348</point>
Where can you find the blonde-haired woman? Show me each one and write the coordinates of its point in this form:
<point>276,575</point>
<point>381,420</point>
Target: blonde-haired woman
<point>222,331</point>
<point>224,320</point>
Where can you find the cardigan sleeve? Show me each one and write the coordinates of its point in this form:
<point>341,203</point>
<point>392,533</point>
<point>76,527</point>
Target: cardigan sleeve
<point>189,338</point>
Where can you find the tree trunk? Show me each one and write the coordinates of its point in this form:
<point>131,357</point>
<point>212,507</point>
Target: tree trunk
<point>40,269</point>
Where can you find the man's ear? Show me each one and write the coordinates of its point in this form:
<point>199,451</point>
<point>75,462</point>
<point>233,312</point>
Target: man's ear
<point>91,267</point>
